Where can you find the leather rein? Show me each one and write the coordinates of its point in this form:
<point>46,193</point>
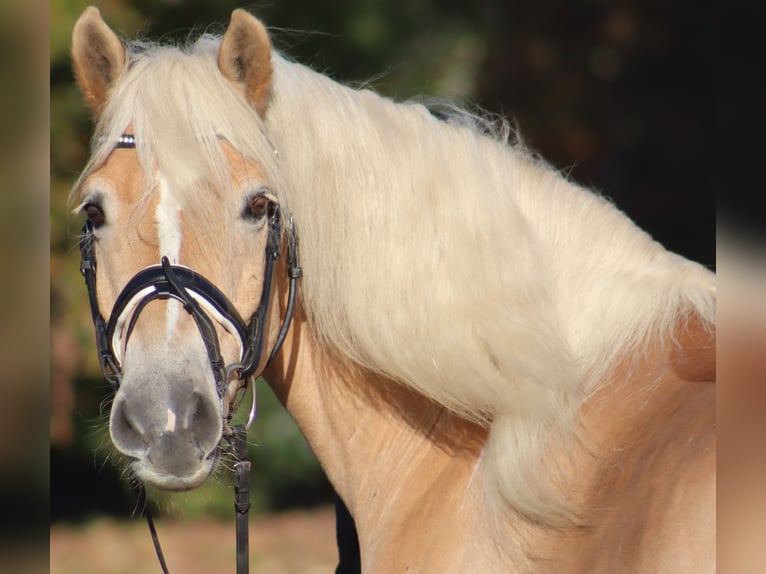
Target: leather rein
<point>207,305</point>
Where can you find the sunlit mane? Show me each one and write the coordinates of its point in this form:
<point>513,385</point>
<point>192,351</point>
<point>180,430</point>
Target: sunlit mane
<point>435,254</point>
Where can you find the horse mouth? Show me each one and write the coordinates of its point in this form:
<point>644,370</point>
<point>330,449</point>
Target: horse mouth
<point>193,476</point>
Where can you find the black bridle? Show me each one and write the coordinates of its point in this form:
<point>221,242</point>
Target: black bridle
<point>206,304</point>
<point>165,281</point>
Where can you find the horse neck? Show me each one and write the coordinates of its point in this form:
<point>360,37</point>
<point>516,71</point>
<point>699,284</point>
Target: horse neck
<point>356,421</point>
<point>395,458</point>
<point>403,464</point>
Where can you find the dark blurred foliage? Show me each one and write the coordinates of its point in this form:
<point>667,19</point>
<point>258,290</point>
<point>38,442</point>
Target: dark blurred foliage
<point>624,93</point>
<point>619,94</point>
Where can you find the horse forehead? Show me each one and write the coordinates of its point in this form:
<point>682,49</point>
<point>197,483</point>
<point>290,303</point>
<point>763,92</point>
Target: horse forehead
<point>123,166</point>
<point>122,171</point>
<point>242,168</point>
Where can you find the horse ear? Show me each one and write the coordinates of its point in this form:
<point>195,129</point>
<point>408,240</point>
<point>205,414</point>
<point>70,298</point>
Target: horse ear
<point>245,57</point>
<point>98,56</point>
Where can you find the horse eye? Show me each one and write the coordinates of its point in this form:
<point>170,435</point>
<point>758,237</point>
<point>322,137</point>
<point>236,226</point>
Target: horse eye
<point>94,213</point>
<point>258,206</point>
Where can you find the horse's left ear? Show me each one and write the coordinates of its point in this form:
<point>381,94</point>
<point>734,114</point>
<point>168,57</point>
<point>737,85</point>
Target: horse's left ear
<point>245,58</point>
<point>98,56</point>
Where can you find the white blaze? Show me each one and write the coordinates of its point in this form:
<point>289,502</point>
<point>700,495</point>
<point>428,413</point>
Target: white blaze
<point>171,425</point>
<point>169,235</point>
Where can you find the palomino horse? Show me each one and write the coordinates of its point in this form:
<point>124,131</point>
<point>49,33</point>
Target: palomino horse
<point>498,371</point>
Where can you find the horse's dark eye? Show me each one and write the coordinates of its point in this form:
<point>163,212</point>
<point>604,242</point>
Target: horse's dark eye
<point>94,213</point>
<point>258,206</point>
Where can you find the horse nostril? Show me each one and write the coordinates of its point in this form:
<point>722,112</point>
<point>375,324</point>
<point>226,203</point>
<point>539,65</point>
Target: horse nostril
<point>207,425</point>
<point>126,430</point>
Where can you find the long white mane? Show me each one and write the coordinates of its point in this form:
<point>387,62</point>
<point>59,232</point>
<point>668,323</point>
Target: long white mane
<point>433,253</point>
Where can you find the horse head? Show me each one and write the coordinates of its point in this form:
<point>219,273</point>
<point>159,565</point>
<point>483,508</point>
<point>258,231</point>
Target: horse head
<point>182,230</point>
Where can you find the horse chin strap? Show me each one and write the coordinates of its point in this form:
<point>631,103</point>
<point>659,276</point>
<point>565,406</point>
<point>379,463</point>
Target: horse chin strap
<point>207,305</point>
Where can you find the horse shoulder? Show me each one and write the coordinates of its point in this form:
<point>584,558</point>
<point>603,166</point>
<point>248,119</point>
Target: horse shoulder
<point>651,505</point>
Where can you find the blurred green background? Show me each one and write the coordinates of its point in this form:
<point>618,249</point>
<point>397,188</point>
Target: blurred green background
<point>614,92</point>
